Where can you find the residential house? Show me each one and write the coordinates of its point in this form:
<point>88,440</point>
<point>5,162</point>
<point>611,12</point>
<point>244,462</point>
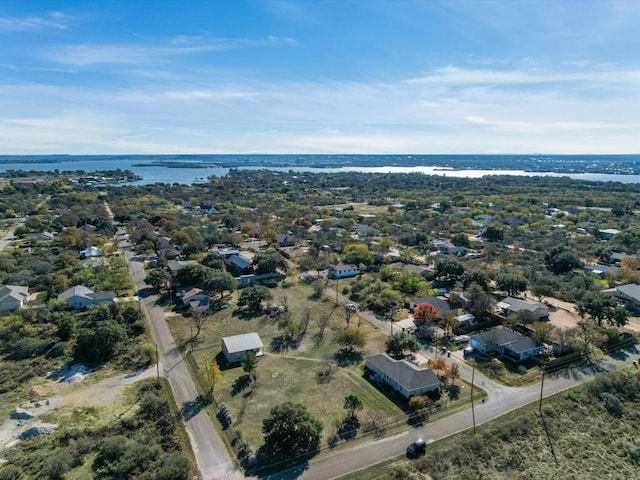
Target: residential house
<point>445,246</point>
<point>286,239</point>
<point>235,348</point>
<point>616,258</point>
<point>513,221</point>
<point>466,319</point>
<point>608,233</point>
<point>82,297</point>
<point>225,252</point>
<point>364,230</point>
<point>483,217</point>
<point>533,310</point>
<point>505,342</point>
<point>441,304</point>
<point>174,265</point>
<point>601,270</point>
<point>630,295</point>
<point>41,236</point>
<point>194,299</point>
<point>343,271</point>
<point>404,377</point>
<point>13,297</point>
<point>240,264</point>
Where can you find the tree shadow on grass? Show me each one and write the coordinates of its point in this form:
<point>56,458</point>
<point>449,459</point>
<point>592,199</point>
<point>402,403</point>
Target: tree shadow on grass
<point>240,384</point>
<point>453,391</point>
<point>349,428</point>
<point>271,466</point>
<point>281,344</point>
<point>345,357</point>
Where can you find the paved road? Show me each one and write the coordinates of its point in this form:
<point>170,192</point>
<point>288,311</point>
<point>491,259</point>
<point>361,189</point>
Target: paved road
<point>210,451</point>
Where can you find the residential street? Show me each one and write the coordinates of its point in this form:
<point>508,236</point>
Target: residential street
<point>210,451</point>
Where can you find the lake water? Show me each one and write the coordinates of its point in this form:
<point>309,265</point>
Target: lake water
<point>158,174</point>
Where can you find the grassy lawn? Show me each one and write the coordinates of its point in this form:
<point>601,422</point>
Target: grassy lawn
<point>288,374</point>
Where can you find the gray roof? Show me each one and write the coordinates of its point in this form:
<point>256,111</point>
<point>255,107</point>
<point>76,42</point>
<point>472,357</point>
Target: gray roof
<point>13,292</point>
<point>503,336</point>
<point>344,268</point>
<point>175,265</point>
<point>598,268</point>
<point>406,374</point>
<point>631,290</point>
<point>77,291</point>
<point>517,305</point>
<point>239,261</point>
<point>242,343</point>
<point>441,304</point>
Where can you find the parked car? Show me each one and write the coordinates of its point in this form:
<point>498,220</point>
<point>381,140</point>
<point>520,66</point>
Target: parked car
<point>469,350</point>
<point>417,448</point>
<point>461,339</point>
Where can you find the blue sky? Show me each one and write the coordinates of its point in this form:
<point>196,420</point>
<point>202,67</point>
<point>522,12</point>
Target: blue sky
<point>319,76</point>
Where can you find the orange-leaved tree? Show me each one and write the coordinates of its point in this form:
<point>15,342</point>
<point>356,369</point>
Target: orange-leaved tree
<point>425,312</point>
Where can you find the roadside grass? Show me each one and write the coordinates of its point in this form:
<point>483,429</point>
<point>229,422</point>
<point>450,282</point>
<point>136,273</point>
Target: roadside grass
<point>589,432</point>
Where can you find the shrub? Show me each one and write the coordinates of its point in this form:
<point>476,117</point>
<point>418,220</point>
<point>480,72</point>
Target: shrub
<point>11,472</point>
<point>612,404</point>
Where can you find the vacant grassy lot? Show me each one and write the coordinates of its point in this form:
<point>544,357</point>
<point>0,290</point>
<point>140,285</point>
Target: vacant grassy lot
<point>291,373</point>
<point>590,433</point>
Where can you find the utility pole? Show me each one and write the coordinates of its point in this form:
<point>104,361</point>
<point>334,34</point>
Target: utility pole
<point>541,387</point>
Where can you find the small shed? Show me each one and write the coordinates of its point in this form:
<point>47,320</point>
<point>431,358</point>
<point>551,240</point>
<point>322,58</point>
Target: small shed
<point>235,348</point>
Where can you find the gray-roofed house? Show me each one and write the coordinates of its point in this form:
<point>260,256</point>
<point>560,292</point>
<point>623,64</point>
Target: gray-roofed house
<point>286,239</point>
<point>630,295</point>
<point>195,299</point>
<point>601,270</point>
<point>235,348</point>
<point>12,297</point>
<point>174,265</point>
<point>608,233</point>
<point>535,310</point>
<point>441,303</point>
<point>404,377</point>
<point>239,263</point>
<point>82,297</point>
<point>506,342</point>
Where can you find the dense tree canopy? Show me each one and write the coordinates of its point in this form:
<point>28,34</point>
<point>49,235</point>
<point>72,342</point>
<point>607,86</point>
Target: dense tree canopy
<point>290,430</point>
<point>561,259</point>
<point>602,308</point>
<point>512,283</point>
<point>448,268</point>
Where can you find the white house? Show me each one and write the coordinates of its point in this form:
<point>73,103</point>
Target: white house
<point>343,271</point>
<point>13,297</point>
<point>90,252</point>
<point>235,348</point>
<point>404,377</point>
<point>506,342</point>
<point>82,297</point>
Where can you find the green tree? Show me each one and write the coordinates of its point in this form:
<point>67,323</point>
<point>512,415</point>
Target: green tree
<point>158,278</point>
<point>290,430</point>
<point>215,261</point>
<point>460,240</point>
<point>425,312</point>
<point>475,276</point>
<point>253,297</point>
<point>448,268</point>
<point>397,343</point>
<point>219,281</point>
<point>250,364</point>
<point>602,308</point>
<point>560,259</point>
<point>352,403</point>
<point>269,262</point>
<point>512,283</point>
<point>493,233</point>
<point>351,338</point>
<point>357,253</point>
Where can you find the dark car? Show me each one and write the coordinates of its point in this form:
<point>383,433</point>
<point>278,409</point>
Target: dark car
<point>417,448</point>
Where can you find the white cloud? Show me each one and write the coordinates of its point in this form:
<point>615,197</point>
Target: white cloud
<point>52,20</point>
<point>96,54</point>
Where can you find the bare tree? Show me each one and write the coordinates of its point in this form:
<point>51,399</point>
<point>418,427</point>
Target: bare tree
<point>198,321</point>
<point>305,319</point>
<point>322,321</point>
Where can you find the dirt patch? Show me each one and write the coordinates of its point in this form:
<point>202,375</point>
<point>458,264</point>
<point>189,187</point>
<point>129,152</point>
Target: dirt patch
<point>563,319</point>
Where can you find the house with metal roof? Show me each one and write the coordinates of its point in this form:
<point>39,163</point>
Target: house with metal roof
<point>82,297</point>
<point>441,303</point>
<point>236,347</point>
<point>505,342</point>
<point>630,295</point>
<point>534,310</point>
<point>13,297</point>
<point>404,377</point>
